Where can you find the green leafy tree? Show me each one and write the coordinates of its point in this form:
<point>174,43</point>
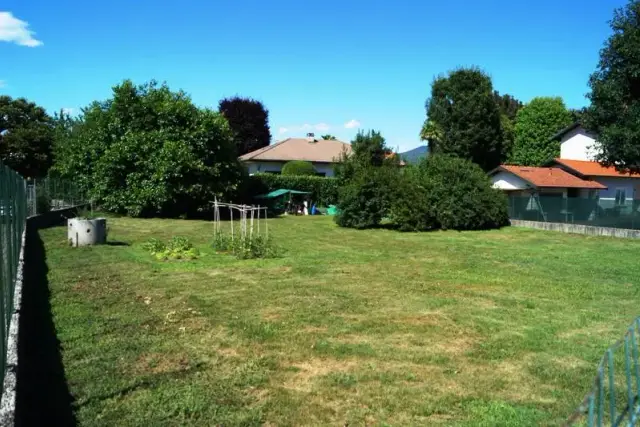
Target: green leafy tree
<point>508,135</point>
<point>298,167</point>
<point>328,137</point>
<point>367,179</point>
<point>26,137</point>
<point>249,120</point>
<point>149,151</point>
<point>536,123</point>
<point>614,113</point>
<point>507,104</point>
<point>463,105</point>
<point>430,132</point>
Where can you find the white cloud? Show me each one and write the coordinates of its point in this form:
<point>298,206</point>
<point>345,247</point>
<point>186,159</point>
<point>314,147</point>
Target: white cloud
<point>319,127</point>
<point>2,84</point>
<point>68,110</point>
<point>16,31</point>
<point>322,127</point>
<point>351,124</point>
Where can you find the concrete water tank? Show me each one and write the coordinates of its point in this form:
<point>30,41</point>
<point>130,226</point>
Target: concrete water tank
<point>85,232</point>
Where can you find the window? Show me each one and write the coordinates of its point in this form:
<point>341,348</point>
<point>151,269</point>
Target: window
<point>621,196</point>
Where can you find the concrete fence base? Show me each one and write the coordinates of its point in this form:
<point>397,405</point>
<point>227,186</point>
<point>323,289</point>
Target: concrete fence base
<point>589,230</point>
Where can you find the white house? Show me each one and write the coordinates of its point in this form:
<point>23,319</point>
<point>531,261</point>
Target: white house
<point>323,154</point>
<point>578,149</point>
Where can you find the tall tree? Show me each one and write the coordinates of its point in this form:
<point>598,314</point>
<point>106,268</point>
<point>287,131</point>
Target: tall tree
<point>328,137</point>
<point>149,150</point>
<point>507,104</point>
<point>249,121</point>
<point>536,124</point>
<point>614,113</point>
<point>463,105</point>
<point>26,137</point>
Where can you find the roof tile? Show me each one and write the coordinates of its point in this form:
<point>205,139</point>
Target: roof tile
<point>550,177</point>
<point>323,151</point>
<point>587,168</point>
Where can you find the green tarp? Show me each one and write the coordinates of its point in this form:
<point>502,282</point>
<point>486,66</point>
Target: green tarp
<point>280,192</point>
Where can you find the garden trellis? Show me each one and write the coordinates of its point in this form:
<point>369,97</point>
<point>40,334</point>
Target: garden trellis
<point>250,218</point>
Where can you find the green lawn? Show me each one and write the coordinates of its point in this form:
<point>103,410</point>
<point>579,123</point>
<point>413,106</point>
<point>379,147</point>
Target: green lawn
<point>348,327</point>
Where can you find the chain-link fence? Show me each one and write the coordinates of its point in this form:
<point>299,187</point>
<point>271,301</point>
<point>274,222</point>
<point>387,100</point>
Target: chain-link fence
<point>614,399</point>
<point>47,194</point>
<point>13,207</point>
<point>622,213</point>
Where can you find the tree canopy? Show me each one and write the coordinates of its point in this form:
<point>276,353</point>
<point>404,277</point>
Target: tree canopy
<point>328,137</point>
<point>249,121</point>
<point>614,113</point>
<point>26,137</point>
<point>149,150</point>
<point>507,104</point>
<point>536,123</point>
<point>463,106</point>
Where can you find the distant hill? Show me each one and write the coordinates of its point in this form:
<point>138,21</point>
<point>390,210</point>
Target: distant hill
<point>413,156</point>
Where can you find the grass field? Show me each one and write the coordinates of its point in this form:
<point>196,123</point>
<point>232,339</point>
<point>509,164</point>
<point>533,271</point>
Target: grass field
<point>347,327</point>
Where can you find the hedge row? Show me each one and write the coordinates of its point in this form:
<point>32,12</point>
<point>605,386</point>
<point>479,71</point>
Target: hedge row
<point>324,191</point>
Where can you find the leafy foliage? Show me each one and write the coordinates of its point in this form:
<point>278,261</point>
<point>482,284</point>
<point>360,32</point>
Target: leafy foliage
<point>249,120</point>
<point>536,124</point>
<point>150,151</point>
<point>26,137</point>
<point>367,179</point>
<point>462,105</point>
<point>445,192</point>
<point>177,248</point>
<point>324,191</point>
<point>298,168</point>
<point>246,247</point>
<point>365,199</point>
<point>614,113</point>
<point>328,137</point>
<point>507,104</point>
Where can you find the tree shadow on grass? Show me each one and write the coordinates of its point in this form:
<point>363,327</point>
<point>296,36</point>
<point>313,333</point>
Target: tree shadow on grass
<point>43,396</point>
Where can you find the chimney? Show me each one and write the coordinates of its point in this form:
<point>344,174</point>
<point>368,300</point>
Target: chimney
<point>311,137</point>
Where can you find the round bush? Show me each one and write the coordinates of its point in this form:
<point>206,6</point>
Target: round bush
<point>448,193</point>
<point>298,167</point>
<point>365,199</point>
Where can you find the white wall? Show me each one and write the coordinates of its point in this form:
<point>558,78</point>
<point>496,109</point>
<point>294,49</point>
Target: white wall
<point>578,144</point>
<point>508,181</point>
<point>261,167</point>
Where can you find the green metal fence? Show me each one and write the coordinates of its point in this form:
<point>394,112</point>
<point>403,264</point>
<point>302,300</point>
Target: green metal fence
<point>51,193</point>
<point>614,399</point>
<point>13,206</point>
<point>576,210</point>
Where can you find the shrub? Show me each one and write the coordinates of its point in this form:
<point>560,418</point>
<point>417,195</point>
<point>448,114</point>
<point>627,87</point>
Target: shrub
<point>298,168</point>
<point>448,193</point>
<point>323,191</point>
<point>176,248</point>
<point>365,199</point>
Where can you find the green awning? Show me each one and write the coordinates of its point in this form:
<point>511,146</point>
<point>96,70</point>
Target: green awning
<point>280,192</point>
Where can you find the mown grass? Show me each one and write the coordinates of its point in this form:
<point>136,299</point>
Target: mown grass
<point>347,327</point>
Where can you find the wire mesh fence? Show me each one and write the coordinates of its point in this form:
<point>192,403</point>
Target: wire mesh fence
<point>576,210</point>
<point>13,206</point>
<point>50,193</point>
<point>614,399</point>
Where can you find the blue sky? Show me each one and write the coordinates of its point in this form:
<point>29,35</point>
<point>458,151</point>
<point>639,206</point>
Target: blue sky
<point>325,66</point>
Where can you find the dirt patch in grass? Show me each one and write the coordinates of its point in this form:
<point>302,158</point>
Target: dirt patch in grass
<point>312,369</point>
<point>596,329</point>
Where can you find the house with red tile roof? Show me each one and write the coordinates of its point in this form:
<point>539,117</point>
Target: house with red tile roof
<point>578,150</point>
